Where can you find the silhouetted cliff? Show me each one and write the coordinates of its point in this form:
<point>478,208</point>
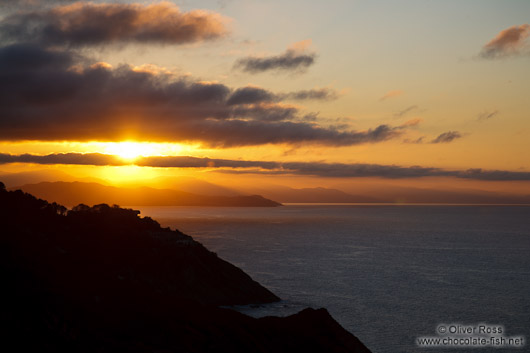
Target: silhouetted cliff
<point>102,279</point>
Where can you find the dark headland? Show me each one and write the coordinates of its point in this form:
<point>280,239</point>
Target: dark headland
<point>102,279</point>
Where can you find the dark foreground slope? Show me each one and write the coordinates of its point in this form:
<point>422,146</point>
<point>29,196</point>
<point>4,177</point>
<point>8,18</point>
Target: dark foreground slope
<point>101,279</point>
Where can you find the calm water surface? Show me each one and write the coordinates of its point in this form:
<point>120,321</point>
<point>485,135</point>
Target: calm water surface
<point>388,274</point>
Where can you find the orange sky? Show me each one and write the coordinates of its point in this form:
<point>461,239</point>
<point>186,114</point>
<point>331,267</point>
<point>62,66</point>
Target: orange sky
<point>438,99</point>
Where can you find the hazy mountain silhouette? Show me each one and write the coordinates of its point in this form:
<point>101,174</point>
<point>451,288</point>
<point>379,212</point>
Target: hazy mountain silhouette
<point>73,193</point>
<point>38,176</point>
<point>309,195</point>
<point>190,189</point>
<point>102,279</point>
<point>30,177</point>
<point>370,193</point>
<point>400,194</point>
<point>194,186</point>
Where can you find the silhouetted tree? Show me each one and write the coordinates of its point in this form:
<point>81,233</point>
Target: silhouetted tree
<point>80,208</point>
<point>58,209</point>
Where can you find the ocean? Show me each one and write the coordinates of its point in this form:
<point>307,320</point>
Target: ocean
<point>390,274</point>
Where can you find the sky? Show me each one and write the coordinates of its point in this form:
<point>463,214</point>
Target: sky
<point>294,92</point>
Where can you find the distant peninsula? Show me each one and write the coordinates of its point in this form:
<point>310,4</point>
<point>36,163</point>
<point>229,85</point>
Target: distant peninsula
<point>74,193</point>
<point>103,279</point>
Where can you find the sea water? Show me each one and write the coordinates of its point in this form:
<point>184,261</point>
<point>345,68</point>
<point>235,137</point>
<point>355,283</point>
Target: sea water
<point>390,274</point>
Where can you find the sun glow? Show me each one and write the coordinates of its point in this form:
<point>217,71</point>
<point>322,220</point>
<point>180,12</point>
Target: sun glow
<point>130,151</point>
<point>128,175</point>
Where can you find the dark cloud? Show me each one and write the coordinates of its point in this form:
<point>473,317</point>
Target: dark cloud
<point>447,137</point>
<point>50,94</point>
<point>86,24</point>
<point>509,42</point>
<point>481,174</point>
<point>405,111</point>
<point>33,3</point>
<point>293,59</point>
<point>417,141</point>
<point>250,95</point>
<point>235,132</point>
<point>339,170</point>
<point>22,59</point>
<point>383,171</point>
<point>96,159</point>
<point>195,162</point>
<point>487,115</point>
<point>324,94</point>
<point>266,112</point>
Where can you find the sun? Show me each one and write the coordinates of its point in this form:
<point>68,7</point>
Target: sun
<point>130,151</point>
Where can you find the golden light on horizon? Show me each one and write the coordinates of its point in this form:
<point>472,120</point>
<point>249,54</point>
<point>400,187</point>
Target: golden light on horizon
<point>127,149</point>
<point>129,174</point>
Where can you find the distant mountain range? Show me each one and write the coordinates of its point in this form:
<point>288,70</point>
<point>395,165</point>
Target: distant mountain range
<point>401,194</point>
<point>74,193</point>
<point>192,191</point>
<point>38,176</point>
<point>386,194</point>
<point>309,195</point>
<point>195,186</point>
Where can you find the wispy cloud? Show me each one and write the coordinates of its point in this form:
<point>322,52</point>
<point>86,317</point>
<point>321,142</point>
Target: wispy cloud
<point>487,115</point>
<point>391,94</point>
<point>337,170</point>
<point>295,58</point>
<point>252,95</point>
<point>509,42</point>
<point>324,94</point>
<point>416,141</point>
<point>87,24</point>
<point>447,137</point>
<point>405,111</point>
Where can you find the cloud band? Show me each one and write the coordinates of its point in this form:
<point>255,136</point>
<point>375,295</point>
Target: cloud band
<point>337,170</point>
